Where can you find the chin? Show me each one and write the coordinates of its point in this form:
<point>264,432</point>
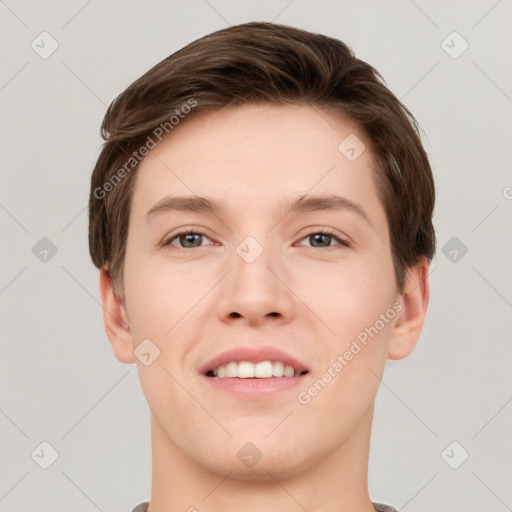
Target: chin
<point>267,464</point>
<point>261,472</point>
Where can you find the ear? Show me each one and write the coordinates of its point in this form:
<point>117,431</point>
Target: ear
<point>116,320</point>
<point>414,300</point>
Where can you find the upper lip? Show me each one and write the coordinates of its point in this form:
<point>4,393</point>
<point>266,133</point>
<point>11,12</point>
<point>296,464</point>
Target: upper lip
<point>254,355</point>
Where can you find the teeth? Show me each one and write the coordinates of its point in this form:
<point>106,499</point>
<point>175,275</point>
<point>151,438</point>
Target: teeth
<point>278,369</point>
<point>231,369</point>
<point>261,370</point>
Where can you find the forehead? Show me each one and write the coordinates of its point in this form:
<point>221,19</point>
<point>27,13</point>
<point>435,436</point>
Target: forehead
<point>259,156</point>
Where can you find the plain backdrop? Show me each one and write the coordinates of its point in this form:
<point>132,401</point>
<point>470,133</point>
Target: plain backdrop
<point>450,62</point>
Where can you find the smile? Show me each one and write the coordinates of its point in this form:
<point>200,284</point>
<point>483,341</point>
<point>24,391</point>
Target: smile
<point>259,370</point>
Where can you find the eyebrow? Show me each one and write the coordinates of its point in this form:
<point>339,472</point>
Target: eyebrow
<point>300,204</point>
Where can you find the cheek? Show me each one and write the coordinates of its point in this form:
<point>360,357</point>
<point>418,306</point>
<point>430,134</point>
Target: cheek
<point>357,305</point>
<point>158,296</point>
<point>348,298</point>
<point>346,385</point>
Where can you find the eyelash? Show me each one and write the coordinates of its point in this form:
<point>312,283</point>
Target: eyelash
<point>326,231</point>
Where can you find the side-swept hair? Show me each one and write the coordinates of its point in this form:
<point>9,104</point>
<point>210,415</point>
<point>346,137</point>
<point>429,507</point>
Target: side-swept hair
<point>265,63</point>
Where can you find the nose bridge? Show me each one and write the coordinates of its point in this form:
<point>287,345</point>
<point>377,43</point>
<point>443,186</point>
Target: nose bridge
<point>251,273</point>
<point>253,290</point>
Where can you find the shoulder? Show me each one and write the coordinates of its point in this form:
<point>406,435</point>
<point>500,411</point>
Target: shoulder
<point>141,507</point>
<point>379,507</point>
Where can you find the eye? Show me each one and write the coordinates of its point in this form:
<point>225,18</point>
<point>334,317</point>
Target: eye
<point>191,239</point>
<point>322,239</point>
<point>188,239</point>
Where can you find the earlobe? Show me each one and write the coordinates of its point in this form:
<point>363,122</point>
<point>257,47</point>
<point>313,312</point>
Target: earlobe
<point>414,300</point>
<point>115,319</point>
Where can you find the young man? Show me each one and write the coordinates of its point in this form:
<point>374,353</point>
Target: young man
<point>261,215</point>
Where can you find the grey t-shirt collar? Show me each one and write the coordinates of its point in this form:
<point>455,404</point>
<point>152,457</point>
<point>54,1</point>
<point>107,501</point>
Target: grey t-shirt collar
<point>379,507</point>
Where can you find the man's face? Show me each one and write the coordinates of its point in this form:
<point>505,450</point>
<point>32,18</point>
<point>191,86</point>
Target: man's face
<point>258,275</point>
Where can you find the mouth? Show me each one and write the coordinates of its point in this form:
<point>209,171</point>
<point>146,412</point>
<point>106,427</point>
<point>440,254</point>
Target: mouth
<point>254,373</point>
<point>260,370</point>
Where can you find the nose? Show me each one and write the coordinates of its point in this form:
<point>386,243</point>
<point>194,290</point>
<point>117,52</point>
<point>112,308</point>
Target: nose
<point>256,291</point>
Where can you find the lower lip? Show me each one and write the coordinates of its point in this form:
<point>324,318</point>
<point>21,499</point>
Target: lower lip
<point>254,388</point>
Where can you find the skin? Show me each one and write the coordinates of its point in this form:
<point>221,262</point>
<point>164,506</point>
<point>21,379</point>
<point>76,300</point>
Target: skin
<point>251,158</point>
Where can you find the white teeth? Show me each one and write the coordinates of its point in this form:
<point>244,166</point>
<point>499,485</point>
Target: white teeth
<point>278,369</point>
<point>245,370</point>
<point>289,371</point>
<point>231,369</point>
<point>261,370</point>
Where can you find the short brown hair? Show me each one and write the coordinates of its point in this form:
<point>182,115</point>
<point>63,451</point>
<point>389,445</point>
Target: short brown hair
<point>264,63</point>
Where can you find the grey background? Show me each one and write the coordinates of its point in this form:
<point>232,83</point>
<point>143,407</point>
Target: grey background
<point>60,382</point>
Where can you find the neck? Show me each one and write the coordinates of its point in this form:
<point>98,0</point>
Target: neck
<point>337,483</point>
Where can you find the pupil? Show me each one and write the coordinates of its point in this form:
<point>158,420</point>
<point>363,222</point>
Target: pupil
<point>319,236</point>
<point>189,237</point>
